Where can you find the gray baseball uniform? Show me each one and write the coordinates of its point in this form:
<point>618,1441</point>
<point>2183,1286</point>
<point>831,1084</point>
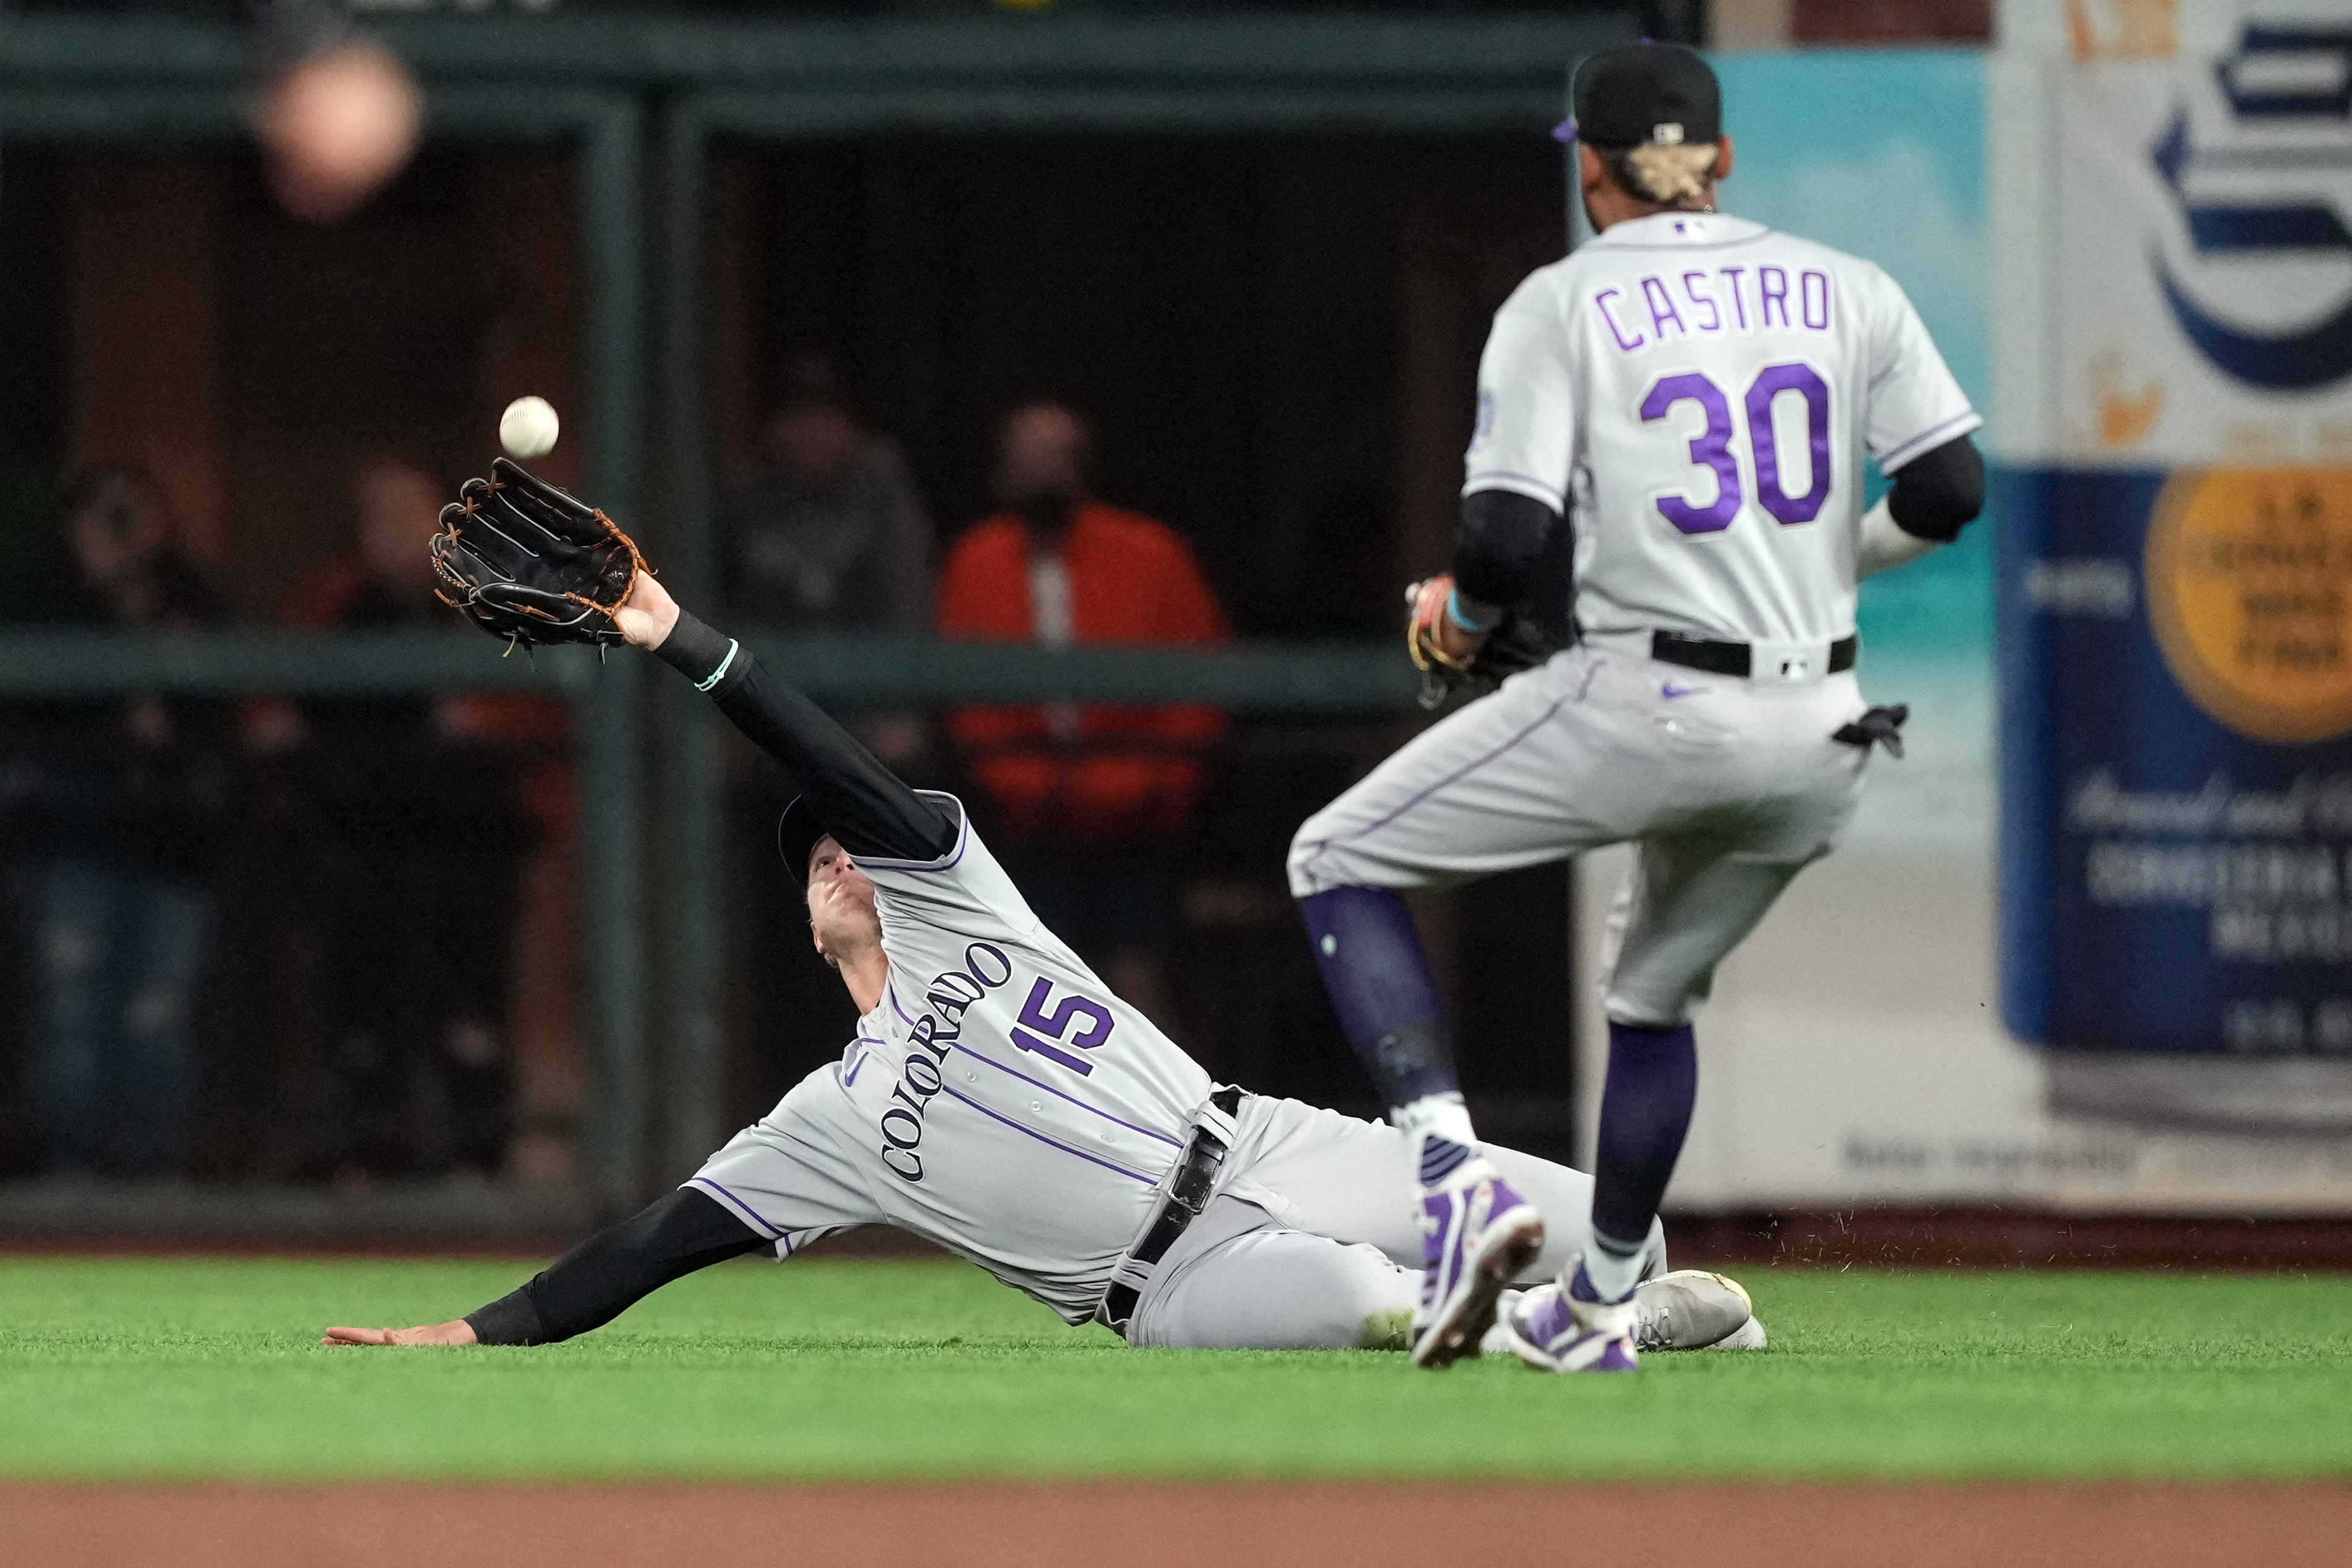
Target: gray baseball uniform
<point>1697,393</point>
<point>1002,1103</point>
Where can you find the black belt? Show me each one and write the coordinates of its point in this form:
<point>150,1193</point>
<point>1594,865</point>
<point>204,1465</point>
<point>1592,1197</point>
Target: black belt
<point>1731,658</point>
<point>1188,1194</point>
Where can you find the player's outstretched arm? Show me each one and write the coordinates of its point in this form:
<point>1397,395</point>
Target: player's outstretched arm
<point>594,1282</point>
<point>866,806</point>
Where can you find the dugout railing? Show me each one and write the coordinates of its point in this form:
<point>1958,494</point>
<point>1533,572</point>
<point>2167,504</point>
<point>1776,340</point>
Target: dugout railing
<point>643,100</point>
<point>842,670</point>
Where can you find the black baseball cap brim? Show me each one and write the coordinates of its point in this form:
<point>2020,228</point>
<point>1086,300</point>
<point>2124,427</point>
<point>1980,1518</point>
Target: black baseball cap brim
<point>1659,93</point>
<point>797,831</point>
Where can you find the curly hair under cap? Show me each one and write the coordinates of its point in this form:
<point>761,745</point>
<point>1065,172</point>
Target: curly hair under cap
<point>1679,175</point>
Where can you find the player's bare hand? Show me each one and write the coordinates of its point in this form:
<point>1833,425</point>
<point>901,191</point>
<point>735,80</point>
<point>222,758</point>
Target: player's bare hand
<point>647,615</point>
<point>458,1333</point>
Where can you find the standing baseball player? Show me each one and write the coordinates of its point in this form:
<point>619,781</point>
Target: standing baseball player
<point>1692,395</point>
<point>998,1099</point>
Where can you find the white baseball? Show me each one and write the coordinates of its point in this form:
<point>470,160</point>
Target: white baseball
<point>528,429</point>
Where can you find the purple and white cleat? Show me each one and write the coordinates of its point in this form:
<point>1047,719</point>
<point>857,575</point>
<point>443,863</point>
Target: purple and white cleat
<point>1477,1236</point>
<point>1557,1330</point>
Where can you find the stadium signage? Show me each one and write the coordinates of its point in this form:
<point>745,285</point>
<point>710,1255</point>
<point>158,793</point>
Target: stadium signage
<point>2177,560</point>
<point>2264,187</point>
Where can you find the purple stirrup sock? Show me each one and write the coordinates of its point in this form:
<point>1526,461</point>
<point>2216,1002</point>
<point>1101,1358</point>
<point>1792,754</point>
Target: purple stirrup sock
<point>1645,1112</point>
<point>1381,987</point>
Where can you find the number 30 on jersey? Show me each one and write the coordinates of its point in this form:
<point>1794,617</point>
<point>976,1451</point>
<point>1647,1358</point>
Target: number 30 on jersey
<point>1711,449</point>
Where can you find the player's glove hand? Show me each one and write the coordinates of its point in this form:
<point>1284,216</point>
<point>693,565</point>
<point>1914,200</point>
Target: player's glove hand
<point>1441,650</point>
<point>530,564</point>
<point>1450,657</point>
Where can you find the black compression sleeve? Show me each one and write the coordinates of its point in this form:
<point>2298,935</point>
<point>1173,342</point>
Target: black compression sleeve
<point>861,802</point>
<point>1939,492</point>
<point>594,1282</point>
<point>1502,538</point>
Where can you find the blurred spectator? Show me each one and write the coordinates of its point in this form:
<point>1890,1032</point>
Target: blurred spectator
<point>414,830</point>
<point>115,812</point>
<point>833,532</point>
<point>1089,796</point>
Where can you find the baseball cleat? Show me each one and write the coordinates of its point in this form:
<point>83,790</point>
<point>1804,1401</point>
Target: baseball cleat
<point>1748,1335</point>
<point>1496,1340</point>
<point>1676,1312</point>
<point>1689,1310</point>
<point>1557,1330</point>
<point>1477,1236</point>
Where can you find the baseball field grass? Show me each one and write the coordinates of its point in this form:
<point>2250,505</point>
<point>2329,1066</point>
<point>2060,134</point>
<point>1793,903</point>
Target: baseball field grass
<point>173,1368</point>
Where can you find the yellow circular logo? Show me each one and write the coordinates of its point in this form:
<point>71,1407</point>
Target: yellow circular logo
<point>2250,590</point>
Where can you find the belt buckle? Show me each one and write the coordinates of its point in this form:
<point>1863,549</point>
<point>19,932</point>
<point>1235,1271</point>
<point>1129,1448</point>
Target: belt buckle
<point>1788,664</point>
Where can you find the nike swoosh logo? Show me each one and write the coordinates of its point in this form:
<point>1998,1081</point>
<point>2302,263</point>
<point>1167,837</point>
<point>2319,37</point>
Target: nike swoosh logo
<point>1672,690</point>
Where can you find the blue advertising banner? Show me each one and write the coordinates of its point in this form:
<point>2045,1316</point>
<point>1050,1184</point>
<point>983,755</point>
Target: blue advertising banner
<point>2174,839</point>
<point>2176,561</point>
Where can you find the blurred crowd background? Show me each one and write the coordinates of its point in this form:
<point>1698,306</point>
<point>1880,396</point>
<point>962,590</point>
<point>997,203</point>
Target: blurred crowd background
<point>1059,391</point>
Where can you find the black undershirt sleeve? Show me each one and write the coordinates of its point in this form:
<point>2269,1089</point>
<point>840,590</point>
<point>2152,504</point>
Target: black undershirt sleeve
<point>861,802</point>
<point>597,1281</point>
<point>1939,492</point>
<point>1502,538</point>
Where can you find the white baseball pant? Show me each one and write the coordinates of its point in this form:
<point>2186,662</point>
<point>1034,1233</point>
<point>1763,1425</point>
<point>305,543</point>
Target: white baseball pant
<point>1730,788</point>
<point>1310,1242</point>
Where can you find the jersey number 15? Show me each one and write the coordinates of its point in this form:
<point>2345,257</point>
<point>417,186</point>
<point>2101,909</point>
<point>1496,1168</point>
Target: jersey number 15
<point>1711,448</point>
<point>1058,1023</point>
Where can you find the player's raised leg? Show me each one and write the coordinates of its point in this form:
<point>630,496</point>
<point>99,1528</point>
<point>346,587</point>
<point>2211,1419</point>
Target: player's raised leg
<point>1378,977</point>
<point>1479,1231</point>
<point>1537,772</point>
<point>1493,787</point>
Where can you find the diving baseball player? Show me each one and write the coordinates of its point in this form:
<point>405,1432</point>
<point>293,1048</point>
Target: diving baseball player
<point>998,1099</point>
<point>1692,395</point>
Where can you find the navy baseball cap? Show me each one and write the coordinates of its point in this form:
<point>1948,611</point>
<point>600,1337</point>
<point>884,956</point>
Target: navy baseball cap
<point>797,831</point>
<point>1662,93</point>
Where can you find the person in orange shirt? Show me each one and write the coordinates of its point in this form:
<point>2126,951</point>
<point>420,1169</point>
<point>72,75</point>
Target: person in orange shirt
<point>1088,796</point>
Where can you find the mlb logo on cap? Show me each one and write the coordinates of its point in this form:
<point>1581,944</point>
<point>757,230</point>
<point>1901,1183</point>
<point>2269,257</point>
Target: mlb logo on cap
<point>1659,93</point>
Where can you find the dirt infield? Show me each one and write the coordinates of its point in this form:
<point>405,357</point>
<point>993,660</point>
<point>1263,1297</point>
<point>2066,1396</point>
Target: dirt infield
<point>1203,1525</point>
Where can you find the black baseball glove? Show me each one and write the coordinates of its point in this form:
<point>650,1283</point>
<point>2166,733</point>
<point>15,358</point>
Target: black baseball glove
<point>530,564</point>
<point>1515,643</point>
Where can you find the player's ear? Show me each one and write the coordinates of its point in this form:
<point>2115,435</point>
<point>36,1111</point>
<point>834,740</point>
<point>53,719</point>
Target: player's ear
<point>1722,170</point>
<point>1591,173</point>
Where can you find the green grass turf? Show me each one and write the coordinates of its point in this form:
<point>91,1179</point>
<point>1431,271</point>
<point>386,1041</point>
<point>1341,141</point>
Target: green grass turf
<point>188,1368</point>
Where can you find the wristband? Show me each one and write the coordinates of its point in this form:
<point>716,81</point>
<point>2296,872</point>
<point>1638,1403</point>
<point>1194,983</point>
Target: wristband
<point>696,651</point>
<point>1454,609</point>
<point>719,673</point>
